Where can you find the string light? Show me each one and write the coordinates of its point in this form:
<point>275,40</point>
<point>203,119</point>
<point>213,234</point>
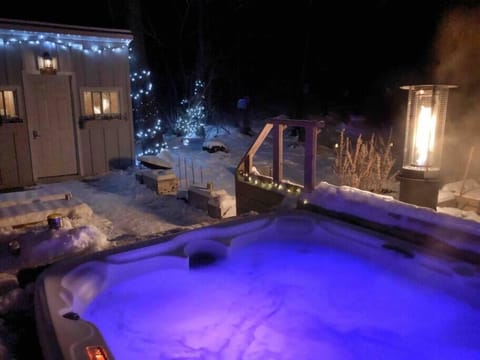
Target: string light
<point>147,120</point>
<point>87,44</point>
<point>141,84</point>
<point>285,187</point>
<point>194,112</point>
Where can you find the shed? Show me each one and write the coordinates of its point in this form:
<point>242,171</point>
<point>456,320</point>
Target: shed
<point>65,106</point>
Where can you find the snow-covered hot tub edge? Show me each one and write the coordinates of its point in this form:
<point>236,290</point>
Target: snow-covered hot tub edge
<point>439,232</point>
<point>65,288</point>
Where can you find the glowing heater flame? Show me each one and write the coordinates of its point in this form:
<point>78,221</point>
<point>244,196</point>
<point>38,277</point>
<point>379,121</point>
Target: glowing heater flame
<point>424,141</point>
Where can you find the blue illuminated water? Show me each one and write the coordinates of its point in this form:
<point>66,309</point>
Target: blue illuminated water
<point>296,299</point>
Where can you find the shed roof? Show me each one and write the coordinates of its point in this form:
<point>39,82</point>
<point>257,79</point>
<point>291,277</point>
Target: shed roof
<point>31,31</point>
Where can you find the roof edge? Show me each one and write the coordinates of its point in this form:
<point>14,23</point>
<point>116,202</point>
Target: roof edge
<point>37,26</point>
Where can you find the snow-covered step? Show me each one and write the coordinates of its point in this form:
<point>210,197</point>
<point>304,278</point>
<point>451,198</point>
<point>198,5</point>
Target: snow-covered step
<point>38,211</point>
<point>29,196</point>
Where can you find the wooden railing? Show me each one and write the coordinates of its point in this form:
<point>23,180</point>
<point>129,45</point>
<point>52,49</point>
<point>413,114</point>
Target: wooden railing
<point>278,125</point>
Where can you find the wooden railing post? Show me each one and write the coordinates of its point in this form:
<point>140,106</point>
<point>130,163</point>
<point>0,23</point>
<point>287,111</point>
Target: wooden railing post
<point>278,152</point>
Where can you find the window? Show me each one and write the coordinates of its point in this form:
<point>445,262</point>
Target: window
<point>8,106</point>
<point>103,104</point>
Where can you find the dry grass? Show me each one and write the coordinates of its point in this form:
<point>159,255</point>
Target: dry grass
<point>366,165</point>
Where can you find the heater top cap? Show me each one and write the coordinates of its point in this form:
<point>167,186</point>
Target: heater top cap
<point>428,87</point>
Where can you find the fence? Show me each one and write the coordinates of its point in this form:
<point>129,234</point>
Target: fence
<point>189,173</point>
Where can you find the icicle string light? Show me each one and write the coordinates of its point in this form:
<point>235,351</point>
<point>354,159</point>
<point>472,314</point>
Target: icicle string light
<point>87,44</point>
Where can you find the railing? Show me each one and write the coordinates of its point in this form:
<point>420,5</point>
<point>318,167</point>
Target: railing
<point>278,125</point>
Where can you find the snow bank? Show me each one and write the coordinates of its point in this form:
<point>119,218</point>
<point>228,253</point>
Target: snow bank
<point>386,210</point>
<point>36,248</point>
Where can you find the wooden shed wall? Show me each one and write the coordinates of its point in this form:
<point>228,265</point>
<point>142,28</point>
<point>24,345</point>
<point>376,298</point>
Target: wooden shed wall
<point>15,161</point>
<point>101,144</point>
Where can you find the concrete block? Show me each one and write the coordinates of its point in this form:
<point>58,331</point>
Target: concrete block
<point>217,203</point>
<point>221,205</point>
<point>162,181</point>
<point>198,197</point>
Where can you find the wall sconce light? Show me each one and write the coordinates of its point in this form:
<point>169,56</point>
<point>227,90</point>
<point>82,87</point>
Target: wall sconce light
<point>420,174</point>
<point>47,64</point>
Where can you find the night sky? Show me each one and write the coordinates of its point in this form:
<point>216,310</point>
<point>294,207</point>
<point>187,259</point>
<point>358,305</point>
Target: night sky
<point>328,54</point>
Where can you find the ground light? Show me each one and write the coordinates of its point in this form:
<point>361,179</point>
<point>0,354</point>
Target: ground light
<point>425,123</point>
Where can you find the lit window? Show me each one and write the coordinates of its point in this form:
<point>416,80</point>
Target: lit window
<point>101,104</point>
<point>8,106</point>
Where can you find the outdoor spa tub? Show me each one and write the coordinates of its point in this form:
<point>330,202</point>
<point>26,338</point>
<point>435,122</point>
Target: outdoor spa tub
<point>289,285</point>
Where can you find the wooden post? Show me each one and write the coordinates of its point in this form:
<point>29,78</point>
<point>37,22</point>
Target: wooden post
<point>193,171</point>
<point>186,176</point>
<point>310,166</point>
<point>467,170</point>
<point>179,169</point>
<point>278,153</point>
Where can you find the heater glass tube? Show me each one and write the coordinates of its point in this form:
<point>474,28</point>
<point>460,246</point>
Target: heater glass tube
<point>424,138</point>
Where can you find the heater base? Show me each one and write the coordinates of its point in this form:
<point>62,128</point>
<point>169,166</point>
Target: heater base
<point>420,192</point>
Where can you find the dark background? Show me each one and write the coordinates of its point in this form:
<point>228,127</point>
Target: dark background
<point>318,54</point>
<point>299,57</point>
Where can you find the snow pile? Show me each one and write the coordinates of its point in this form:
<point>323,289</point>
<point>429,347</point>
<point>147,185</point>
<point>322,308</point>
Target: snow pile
<point>214,145</point>
<point>225,203</point>
<point>381,208</point>
<point>458,186</point>
<point>388,211</point>
<point>451,191</point>
<point>38,247</point>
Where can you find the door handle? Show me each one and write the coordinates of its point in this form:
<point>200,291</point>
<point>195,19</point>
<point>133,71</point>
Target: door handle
<point>35,134</point>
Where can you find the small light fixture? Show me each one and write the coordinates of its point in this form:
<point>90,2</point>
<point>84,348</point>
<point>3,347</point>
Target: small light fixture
<point>47,64</point>
<point>425,123</point>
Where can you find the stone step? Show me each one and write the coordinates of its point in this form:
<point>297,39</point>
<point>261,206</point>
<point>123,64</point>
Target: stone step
<point>29,196</point>
<point>38,211</point>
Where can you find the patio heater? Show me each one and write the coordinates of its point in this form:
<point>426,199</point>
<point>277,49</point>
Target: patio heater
<point>420,174</point>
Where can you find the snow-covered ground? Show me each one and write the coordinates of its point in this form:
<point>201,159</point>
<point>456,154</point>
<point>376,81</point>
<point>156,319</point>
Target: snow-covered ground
<point>125,211</point>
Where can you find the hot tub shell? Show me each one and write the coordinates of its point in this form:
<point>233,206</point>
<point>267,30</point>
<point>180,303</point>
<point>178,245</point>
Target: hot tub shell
<point>65,289</point>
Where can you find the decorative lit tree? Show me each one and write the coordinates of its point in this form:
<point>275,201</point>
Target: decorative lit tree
<point>192,115</point>
<point>148,125</point>
<point>146,114</point>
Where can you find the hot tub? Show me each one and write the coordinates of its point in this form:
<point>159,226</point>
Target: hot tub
<point>292,285</point>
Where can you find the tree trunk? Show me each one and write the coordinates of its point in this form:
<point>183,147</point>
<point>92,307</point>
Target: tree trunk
<point>135,24</point>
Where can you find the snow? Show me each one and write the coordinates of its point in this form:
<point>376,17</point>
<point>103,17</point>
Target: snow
<point>388,211</point>
<point>214,145</point>
<point>125,211</point>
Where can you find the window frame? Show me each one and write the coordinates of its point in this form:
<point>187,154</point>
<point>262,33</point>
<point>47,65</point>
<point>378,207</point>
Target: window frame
<point>16,118</point>
<point>91,115</point>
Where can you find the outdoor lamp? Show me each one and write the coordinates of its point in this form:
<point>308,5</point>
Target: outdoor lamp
<point>47,64</point>
<point>425,123</point>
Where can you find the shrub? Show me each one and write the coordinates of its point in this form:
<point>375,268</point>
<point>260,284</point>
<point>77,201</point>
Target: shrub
<point>366,165</point>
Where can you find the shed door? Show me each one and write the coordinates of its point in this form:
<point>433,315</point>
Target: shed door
<point>51,125</point>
